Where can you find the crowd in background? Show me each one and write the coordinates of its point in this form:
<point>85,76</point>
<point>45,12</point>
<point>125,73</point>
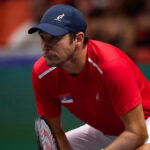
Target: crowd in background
<point>123,23</point>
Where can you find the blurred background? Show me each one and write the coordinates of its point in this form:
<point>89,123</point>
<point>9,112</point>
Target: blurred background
<point>123,23</point>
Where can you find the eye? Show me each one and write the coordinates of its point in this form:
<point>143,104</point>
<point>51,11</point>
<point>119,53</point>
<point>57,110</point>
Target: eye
<point>54,39</point>
<point>42,37</point>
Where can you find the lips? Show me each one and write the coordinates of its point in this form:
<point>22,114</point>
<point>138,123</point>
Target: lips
<point>49,54</point>
<point>50,57</point>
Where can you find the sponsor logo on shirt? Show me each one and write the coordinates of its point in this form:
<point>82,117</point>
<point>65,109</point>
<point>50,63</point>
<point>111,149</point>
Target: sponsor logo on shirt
<point>66,98</point>
<point>97,97</point>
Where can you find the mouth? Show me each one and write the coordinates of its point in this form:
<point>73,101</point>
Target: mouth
<point>50,56</point>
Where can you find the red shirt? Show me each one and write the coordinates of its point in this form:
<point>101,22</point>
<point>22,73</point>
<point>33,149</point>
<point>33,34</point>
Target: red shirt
<point>109,86</point>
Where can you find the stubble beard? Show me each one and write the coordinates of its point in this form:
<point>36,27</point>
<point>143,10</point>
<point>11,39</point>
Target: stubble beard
<point>52,63</point>
<point>59,62</point>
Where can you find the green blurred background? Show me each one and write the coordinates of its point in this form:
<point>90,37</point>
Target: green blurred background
<point>18,109</point>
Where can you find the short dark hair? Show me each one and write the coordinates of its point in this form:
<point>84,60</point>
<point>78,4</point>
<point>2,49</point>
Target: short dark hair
<point>73,36</point>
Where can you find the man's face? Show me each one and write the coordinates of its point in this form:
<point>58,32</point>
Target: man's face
<point>56,50</point>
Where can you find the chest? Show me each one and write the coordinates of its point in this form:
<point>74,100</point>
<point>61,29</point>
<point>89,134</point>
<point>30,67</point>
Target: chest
<point>84,91</point>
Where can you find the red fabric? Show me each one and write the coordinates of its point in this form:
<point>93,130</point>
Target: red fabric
<point>109,86</point>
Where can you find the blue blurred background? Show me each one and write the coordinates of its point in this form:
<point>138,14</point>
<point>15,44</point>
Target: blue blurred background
<point>123,23</point>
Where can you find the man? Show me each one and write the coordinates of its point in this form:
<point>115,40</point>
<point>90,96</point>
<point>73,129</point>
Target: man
<point>96,81</point>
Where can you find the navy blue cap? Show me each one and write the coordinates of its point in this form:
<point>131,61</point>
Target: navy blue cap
<point>61,19</point>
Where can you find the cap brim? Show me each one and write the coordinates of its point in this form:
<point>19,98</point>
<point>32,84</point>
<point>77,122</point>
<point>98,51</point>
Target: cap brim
<point>49,28</point>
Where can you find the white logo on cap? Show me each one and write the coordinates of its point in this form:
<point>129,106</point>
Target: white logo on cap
<point>60,17</point>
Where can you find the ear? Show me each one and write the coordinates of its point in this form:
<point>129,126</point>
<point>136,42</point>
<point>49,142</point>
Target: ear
<point>79,39</point>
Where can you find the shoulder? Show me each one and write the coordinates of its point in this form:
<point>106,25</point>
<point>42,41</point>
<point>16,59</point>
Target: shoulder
<point>103,53</point>
<point>105,50</point>
<point>118,67</point>
<point>119,73</point>
<point>41,68</point>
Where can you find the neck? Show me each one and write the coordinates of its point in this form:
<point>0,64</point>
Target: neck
<point>76,62</point>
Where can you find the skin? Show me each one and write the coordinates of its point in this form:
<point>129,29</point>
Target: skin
<point>72,57</point>
<point>135,132</point>
<point>62,53</point>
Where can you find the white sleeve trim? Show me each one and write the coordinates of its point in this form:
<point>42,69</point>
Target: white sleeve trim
<point>95,65</point>
<point>46,72</point>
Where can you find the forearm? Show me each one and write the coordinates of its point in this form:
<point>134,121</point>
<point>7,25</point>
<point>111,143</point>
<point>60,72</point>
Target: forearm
<point>144,147</point>
<point>135,133</point>
<point>62,141</point>
<point>126,141</point>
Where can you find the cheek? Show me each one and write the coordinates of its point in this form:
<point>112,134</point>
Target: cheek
<point>64,48</point>
<point>62,54</point>
<point>42,45</point>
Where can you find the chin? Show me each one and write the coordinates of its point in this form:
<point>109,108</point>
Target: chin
<point>52,64</point>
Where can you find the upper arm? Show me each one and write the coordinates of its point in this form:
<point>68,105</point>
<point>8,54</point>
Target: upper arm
<point>124,92</point>
<point>121,86</point>
<point>46,101</point>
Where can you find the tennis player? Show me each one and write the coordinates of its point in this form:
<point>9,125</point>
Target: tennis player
<point>95,81</point>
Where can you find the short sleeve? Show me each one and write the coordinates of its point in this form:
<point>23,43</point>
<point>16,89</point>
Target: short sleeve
<point>121,86</point>
<point>46,103</point>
